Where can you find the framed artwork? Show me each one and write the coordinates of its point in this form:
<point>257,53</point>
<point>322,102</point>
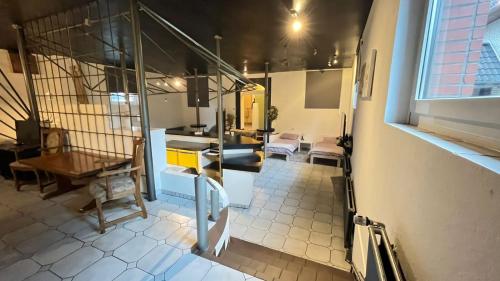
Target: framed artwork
<point>366,75</point>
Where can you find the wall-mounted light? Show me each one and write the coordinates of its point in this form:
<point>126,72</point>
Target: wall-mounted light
<point>177,82</point>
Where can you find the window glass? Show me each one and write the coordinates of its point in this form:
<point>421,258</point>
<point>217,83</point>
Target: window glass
<point>461,56</point>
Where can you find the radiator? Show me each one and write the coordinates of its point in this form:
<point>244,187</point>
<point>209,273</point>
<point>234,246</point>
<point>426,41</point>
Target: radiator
<point>349,213</point>
<point>382,263</point>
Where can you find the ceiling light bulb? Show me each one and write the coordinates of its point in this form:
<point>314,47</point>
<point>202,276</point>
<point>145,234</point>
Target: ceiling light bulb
<point>157,83</point>
<point>165,84</point>
<point>297,25</point>
<point>177,82</point>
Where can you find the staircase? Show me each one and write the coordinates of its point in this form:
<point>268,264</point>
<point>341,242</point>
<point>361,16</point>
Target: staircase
<point>272,265</point>
<point>12,108</point>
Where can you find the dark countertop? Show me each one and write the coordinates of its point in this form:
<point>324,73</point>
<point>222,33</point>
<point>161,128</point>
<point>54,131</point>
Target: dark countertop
<point>239,142</point>
<point>247,162</point>
<point>188,145</point>
<point>230,142</point>
<point>188,133</point>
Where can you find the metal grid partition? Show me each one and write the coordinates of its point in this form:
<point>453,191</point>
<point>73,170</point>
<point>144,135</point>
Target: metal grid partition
<point>93,78</point>
<point>85,89</point>
<point>86,82</point>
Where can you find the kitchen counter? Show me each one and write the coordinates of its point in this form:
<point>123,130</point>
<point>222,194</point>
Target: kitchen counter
<point>187,145</point>
<point>246,163</point>
<point>239,142</point>
<point>189,133</point>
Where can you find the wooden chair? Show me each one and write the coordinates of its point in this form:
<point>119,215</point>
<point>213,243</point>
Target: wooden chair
<point>52,142</point>
<point>116,184</point>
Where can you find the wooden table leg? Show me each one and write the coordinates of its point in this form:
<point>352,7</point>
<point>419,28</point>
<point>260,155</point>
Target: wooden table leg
<point>63,185</point>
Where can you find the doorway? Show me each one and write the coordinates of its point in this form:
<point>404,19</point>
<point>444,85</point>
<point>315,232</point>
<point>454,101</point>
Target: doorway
<point>247,101</point>
<point>252,110</point>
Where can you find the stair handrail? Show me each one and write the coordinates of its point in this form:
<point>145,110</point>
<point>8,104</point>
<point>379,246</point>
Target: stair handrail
<point>218,198</point>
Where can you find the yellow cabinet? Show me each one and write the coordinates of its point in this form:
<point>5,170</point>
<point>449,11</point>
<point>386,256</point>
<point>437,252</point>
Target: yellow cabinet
<point>172,156</point>
<point>185,158</point>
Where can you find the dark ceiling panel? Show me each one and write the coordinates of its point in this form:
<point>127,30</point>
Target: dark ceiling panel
<point>255,31</point>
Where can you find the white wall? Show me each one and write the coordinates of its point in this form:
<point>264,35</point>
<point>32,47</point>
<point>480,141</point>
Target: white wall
<point>166,111</point>
<point>440,209</point>
<point>288,95</point>
<point>288,91</point>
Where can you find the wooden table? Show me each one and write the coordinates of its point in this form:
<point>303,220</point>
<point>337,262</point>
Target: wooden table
<point>72,165</point>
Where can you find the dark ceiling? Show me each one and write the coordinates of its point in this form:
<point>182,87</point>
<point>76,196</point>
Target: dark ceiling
<point>255,31</point>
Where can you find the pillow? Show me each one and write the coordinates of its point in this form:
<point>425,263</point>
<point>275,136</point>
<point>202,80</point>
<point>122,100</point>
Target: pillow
<point>289,136</point>
<point>330,139</point>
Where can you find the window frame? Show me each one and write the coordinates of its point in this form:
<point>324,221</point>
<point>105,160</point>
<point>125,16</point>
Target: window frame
<point>469,115</point>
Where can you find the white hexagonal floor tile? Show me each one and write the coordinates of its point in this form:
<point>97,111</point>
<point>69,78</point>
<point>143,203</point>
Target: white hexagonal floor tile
<point>44,276</point>
<point>189,267</point>
<point>57,251</point>
<point>113,239</point>
<point>135,248</point>
<point>141,224</point>
<point>135,274</point>
<point>19,270</point>
<point>76,262</point>
<point>162,229</point>
<point>40,241</point>
<point>105,269</point>
<point>160,259</point>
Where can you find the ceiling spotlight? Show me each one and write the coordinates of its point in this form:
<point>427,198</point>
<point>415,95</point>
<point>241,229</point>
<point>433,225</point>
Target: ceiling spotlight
<point>165,84</point>
<point>165,100</point>
<point>296,25</point>
<point>157,83</point>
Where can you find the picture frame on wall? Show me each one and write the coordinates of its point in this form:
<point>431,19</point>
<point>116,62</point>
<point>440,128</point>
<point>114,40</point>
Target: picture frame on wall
<point>366,75</point>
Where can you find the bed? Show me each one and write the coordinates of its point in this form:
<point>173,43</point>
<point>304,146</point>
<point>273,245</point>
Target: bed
<point>283,144</point>
<point>327,148</point>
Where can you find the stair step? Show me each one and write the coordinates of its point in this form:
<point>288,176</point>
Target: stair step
<point>273,265</point>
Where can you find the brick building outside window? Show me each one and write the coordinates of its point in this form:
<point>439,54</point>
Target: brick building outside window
<point>463,50</point>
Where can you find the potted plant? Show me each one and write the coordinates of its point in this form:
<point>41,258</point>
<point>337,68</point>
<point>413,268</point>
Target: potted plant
<point>229,121</point>
<point>272,115</point>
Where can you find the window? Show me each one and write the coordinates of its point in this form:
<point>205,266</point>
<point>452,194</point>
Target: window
<point>125,115</point>
<point>461,56</point>
<point>457,91</point>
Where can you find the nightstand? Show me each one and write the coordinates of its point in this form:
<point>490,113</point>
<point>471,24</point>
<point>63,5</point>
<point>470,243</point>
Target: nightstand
<point>307,142</point>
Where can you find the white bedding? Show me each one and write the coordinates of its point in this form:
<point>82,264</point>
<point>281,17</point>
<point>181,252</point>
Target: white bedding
<point>326,148</point>
<point>283,146</point>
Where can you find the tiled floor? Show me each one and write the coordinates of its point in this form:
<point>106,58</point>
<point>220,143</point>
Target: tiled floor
<point>295,210</point>
<point>45,240</point>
